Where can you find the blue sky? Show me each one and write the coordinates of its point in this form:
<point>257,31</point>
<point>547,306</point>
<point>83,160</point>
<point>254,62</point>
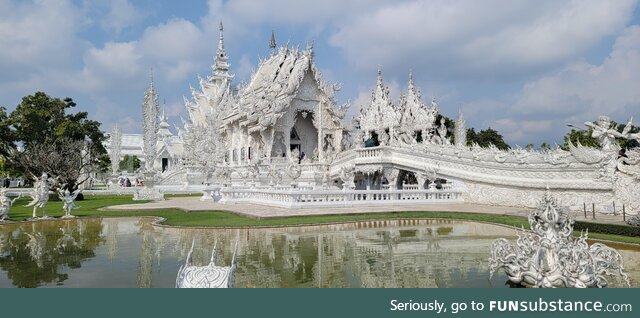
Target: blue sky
<point>525,68</point>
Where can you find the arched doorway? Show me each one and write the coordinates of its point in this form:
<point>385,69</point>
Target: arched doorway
<point>304,135</point>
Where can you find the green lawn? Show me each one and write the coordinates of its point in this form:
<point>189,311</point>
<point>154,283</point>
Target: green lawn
<point>89,208</point>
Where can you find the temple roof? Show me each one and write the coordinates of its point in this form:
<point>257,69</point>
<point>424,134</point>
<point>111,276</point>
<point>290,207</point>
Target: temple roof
<point>274,85</point>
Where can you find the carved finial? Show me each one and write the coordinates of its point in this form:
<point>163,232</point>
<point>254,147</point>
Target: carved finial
<point>379,75</point>
<point>151,78</point>
<point>310,48</point>
<point>272,42</point>
<point>221,41</point>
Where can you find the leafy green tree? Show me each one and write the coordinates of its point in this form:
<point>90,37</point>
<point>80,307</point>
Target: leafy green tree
<point>486,137</point>
<point>545,146</point>
<point>129,163</point>
<point>7,145</point>
<point>580,136</point>
<point>42,120</point>
<point>529,147</point>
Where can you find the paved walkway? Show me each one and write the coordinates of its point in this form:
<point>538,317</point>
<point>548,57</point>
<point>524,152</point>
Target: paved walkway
<point>265,212</point>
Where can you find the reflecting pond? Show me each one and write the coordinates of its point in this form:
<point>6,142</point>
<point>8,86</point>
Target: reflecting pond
<point>131,252</point>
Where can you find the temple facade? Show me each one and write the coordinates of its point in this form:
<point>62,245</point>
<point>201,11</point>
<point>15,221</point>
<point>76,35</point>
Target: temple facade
<point>283,133</point>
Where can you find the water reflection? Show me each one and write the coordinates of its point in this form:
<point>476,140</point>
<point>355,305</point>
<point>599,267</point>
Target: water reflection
<point>133,253</point>
<point>39,253</point>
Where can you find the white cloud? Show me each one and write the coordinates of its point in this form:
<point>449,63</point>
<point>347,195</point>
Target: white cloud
<point>178,46</point>
<point>577,93</point>
<point>480,39</point>
<point>38,35</point>
<point>116,59</point>
<point>120,15</point>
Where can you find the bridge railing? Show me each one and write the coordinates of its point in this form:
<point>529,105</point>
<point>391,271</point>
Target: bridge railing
<point>338,198</point>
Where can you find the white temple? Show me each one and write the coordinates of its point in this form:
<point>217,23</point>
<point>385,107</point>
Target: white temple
<point>281,139</point>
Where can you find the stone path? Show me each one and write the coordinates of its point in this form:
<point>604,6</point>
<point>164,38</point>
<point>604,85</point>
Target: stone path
<point>263,211</point>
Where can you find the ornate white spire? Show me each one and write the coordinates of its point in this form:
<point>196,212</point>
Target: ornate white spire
<point>461,131</point>
<point>150,110</point>
<point>163,127</point>
<point>221,66</point>
<point>381,114</point>
<point>115,144</point>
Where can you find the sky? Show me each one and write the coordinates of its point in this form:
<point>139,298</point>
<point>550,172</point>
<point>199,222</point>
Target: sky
<point>524,68</point>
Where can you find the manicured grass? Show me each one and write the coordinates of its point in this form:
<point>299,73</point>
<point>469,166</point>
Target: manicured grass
<point>89,207</point>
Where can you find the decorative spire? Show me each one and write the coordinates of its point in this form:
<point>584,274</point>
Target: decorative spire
<point>221,41</point>
<point>150,110</point>
<point>411,85</point>
<point>151,78</point>
<point>221,66</point>
<point>163,126</point>
<point>460,133</point>
<point>272,42</point>
<point>379,80</point>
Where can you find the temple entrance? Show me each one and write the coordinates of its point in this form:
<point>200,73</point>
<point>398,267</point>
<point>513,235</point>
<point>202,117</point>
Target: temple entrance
<point>304,135</point>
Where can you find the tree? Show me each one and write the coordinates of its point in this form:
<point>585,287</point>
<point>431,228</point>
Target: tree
<point>7,145</point>
<point>529,147</point>
<point>545,146</point>
<point>129,163</point>
<point>69,161</point>
<point>580,136</point>
<point>41,123</point>
<point>485,138</point>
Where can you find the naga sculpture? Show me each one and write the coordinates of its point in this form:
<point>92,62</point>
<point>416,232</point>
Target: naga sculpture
<point>209,276</point>
<point>549,256</point>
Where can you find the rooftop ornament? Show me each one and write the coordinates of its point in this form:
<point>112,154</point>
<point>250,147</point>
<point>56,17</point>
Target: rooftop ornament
<point>549,256</point>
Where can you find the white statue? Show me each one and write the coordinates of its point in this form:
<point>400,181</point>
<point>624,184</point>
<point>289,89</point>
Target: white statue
<point>384,138</point>
<point>40,195</point>
<point>442,131</point>
<point>626,131</point>
<point>605,132</point>
<point>5,204</point>
<point>68,199</point>
<point>548,256</point>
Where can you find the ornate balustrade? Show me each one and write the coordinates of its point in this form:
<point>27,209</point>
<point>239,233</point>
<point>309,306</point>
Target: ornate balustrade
<point>337,198</point>
<point>369,152</point>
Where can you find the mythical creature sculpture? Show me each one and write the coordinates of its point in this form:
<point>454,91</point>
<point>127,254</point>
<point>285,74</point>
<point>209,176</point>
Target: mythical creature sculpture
<point>585,154</point>
<point>68,203</point>
<point>347,173</point>
<point>384,138</point>
<point>605,132</point>
<point>275,175</point>
<point>634,220</point>
<point>40,194</point>
<point>404,139</point>
<point>293,168</point>
<point>5,204</point>
<point>209,276</point>
<point>548,256</point>
<point>442,132</point>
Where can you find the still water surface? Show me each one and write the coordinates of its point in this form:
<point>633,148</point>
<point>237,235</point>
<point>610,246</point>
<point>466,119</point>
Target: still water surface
<point>130,252</point>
